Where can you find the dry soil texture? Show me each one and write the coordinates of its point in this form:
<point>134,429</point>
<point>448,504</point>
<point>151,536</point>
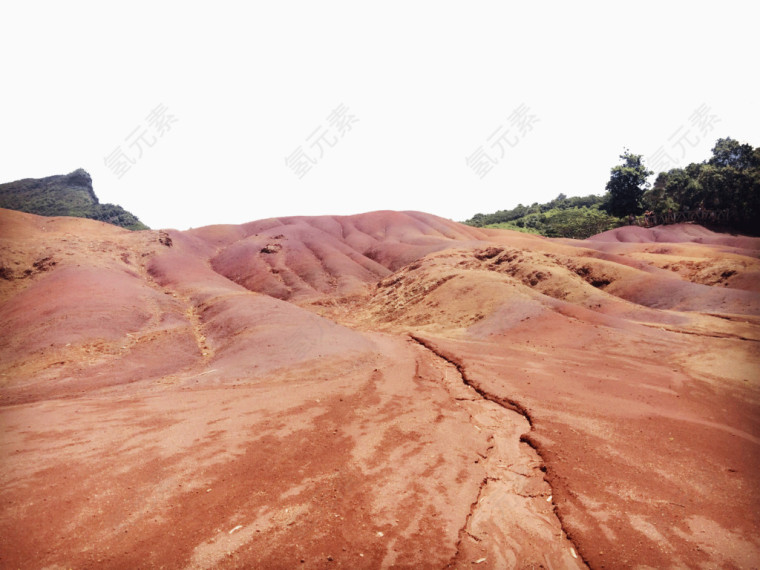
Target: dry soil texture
<point>384,390</point>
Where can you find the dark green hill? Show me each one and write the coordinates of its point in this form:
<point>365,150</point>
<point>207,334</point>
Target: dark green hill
<point>64,195</point>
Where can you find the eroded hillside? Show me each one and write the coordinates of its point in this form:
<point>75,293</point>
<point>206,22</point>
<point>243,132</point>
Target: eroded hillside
<point>388,389</point>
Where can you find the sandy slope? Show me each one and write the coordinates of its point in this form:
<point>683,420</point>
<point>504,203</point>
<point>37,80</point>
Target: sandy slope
<point>388,389</point>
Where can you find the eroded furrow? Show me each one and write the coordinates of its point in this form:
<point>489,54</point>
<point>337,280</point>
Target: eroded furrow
<point>191,310</point>
<point>512,522</point>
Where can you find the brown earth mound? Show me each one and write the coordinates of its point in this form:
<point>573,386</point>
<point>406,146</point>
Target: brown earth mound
<point>676,233</point>
<point>384,390</point>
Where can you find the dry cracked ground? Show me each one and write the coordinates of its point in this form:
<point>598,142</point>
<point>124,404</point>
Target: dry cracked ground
<point>384,390</point>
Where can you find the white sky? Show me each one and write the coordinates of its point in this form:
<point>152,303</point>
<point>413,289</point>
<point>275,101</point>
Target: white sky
<point>428,82</point>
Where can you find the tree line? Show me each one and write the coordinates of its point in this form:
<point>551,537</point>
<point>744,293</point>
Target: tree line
<point>729,182</point>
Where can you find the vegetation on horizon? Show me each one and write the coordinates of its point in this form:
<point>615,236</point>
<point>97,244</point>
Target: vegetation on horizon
<point>576,217</point>
<point>64,195</point>
<point>729,180</point>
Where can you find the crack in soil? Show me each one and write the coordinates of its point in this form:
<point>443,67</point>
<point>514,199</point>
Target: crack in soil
<point>514,520</point>
<point>724,336</point>
<point>507,403</point>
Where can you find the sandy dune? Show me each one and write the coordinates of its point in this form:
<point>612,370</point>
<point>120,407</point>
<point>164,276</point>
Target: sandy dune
<point>384,390</point>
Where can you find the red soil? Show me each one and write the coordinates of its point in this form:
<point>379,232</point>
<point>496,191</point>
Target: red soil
<point>389,389</point>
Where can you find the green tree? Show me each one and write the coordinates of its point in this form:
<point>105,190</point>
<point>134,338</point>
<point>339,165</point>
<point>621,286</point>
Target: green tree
<point>681,186</point>
<point>628,182</point>
<point>729,152</point>
<point>578,223</point>
<point>658,199</point>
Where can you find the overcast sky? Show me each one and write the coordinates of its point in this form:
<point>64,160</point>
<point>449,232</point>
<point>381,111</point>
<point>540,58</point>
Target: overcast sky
<point>191,114</point>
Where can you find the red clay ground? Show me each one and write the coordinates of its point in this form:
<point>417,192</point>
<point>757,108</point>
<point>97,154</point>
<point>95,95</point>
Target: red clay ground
<point>384,390</point>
